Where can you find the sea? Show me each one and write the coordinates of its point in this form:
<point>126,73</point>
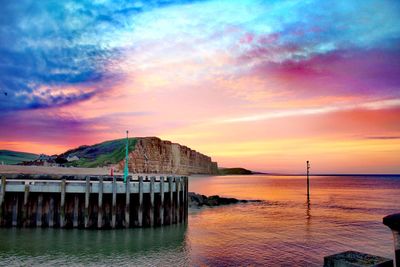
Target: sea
<point>344,213</point>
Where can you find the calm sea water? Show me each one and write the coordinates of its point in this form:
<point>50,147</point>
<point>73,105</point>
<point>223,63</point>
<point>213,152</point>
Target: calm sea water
<point>345,214</point>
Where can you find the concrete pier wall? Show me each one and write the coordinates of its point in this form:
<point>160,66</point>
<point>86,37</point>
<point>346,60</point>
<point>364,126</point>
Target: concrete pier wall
<point>98,202</point>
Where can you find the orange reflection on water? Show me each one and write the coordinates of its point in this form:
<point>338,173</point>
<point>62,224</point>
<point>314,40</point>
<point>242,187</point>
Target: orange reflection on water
<point>344,213</point>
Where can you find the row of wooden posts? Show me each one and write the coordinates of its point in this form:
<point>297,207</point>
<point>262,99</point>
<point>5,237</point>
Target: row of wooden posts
<point>136,203</point>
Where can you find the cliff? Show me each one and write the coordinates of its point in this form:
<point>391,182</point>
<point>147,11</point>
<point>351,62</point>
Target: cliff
<point>153,155</point>
<point>146,155</point>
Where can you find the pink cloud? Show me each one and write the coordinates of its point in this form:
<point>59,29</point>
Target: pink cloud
<point>372,73</point>
<point>247,38</point>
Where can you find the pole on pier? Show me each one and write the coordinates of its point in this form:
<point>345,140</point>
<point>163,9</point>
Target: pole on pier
<point>87,198</point>
<point>308,181</point>
<point>140,209</point>
<point>2,193</point>
<point>127,203</point>
<point>62,204</point>
<point>162,200</point>
<point>152,201</point>
<point>126,158</point>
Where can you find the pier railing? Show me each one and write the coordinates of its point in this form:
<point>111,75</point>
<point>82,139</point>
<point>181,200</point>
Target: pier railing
<point>92,201</point>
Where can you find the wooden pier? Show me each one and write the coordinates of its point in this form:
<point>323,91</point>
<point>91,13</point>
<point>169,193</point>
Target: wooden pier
<point>94,202</point>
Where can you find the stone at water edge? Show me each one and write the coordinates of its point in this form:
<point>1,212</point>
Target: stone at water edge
<point>356,259</point>
<point>198,200</point>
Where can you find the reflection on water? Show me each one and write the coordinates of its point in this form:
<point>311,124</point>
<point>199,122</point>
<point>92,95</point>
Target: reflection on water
<point>345,213</point>
<point>86,247</point>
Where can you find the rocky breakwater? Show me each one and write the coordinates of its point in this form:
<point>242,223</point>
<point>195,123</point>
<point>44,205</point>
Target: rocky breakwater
<point>198,201</point>
<point>153,155</point>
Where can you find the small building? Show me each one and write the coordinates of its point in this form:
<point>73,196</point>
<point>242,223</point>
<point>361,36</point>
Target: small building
<point>72,158</point>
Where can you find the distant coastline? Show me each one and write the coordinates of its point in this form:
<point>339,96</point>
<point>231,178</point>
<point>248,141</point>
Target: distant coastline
<point>234,171</point>
<point>331,174</point>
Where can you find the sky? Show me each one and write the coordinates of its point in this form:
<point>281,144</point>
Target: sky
<point>264,85</point>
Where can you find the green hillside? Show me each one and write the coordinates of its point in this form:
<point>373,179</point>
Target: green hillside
<point>14,157</point>
<point>234,171</point>
<point>102,154</point>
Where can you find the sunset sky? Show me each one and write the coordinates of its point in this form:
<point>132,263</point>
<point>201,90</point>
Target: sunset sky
<point>264,85</point>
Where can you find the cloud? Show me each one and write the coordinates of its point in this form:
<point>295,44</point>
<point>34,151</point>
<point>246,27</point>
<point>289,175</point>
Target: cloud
<point>296,30</point>
<point>52,126</point>
<point>383,137</point>
<point>58,44</point>
<point>316,49</point>
<point>370,74</point>
<point>376,105</point>
<point>42,45</point>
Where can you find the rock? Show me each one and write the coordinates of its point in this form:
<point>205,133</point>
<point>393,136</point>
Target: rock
<point>153,155</point>
<point>392,221</point>
<point>356,259</point>
<point>197,200</point>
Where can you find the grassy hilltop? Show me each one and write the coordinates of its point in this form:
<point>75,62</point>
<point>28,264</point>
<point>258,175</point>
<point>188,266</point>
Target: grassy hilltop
<point>102,154</point>
<point>14,157</point>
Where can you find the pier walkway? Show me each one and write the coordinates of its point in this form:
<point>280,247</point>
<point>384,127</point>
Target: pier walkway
<point>92,201</point>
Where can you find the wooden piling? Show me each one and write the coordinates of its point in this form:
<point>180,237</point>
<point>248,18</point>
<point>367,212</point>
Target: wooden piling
<point>152,201</point>
<point>178,206</point>
<point>76,211</point>
<point>127,202</point>
<point>23,209</point>
<point>100,204</point>
<point>114,203</point>
<point>171,200</point>
<point>2,193</point>
<point>15,211</point>
<point>50,214</point>
<point>183,199</point>
<point>39,211</point>
<point>162,200</point>
<point>87,198</point>
<point>62,204</point>
<point>25,221</point>
<point>186,199</point>
<point>183,205</point>
<point>140,208</point>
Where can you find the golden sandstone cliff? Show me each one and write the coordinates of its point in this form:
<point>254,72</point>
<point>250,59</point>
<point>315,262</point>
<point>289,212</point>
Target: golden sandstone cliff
<point>153,155</point>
